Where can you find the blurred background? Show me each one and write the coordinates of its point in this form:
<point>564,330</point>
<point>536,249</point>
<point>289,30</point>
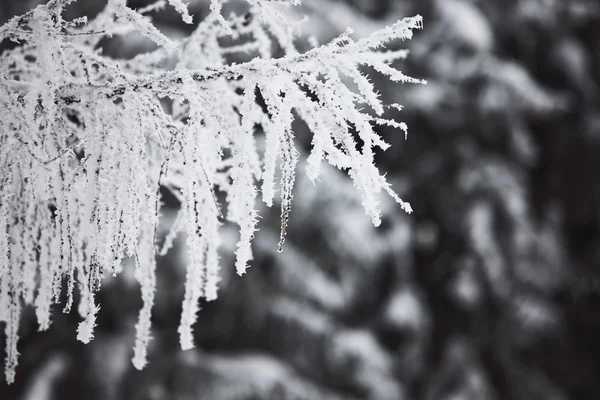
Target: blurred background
<point>489,290</point>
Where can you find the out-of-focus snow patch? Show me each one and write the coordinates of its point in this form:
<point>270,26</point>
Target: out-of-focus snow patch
<point>467,24</point>
<point>340,15</point>
<point>300,275</point>
<point>536,313</point>
<point>312,320</point>
<point>42,383</point>
<point>372,366</point>
<point>426,235</point>
<point>426,98</point>
<point>465,287</point>
<point>208,376</point>
<point>486,245</point>
<point>111,360</point>
<point>406,310</point>
<point>514,88</point>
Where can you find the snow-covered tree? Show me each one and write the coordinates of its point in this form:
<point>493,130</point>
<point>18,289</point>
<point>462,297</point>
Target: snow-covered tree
<point>88,143</point>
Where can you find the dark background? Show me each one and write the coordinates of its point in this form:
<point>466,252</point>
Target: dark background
<point>489,290</point>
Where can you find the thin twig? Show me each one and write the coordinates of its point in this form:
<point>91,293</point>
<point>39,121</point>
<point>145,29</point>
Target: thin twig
<point>65,151</point>
<point>163,171</point>
<point>68,34</point>
<point>212,191</point>
<point>85,33</point>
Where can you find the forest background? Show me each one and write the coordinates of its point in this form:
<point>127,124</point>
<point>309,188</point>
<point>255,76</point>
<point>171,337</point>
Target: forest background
<point>489,290</point>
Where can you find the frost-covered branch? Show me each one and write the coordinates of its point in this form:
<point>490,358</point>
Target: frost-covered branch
<point>86,143</point>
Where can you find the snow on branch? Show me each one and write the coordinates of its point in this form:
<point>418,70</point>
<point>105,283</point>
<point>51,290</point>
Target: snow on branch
<point>86,145</point>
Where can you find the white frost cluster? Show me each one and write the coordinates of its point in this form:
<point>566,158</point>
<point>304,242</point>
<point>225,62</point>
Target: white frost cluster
<point>87,140</point>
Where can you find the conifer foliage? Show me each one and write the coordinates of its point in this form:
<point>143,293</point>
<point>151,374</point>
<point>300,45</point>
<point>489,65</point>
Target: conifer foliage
<point>89,143</point>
